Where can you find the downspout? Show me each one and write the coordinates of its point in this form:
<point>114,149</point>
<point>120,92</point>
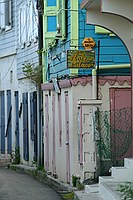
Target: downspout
<point>94,84</point>
<point>103,67</point>
<point>95,76</point>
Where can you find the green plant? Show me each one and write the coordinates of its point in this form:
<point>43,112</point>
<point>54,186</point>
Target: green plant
<point>126,190</point>
<point>38,170</point>
<point>69,196</point>
<point>79,185</point>
<point>74,180</point>
<point>34,73</point>
<point>15,156</point>
<point>41,168</point>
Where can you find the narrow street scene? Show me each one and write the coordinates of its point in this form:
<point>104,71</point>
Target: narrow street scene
<point>14,185</point>
<point>66,99</point>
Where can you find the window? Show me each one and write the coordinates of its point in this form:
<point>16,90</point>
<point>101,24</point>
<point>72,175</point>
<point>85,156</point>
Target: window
<point>51,2</point>
<point>23,26</point>
<point>51,23</point>
<point>28,23</point>
<point>5,15</point>
<point>52,17</point>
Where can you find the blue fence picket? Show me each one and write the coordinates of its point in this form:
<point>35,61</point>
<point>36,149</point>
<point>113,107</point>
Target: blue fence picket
<point>9,123</point>
<point>17,118</point>
<point>25,127</point>
<point>2,121</point>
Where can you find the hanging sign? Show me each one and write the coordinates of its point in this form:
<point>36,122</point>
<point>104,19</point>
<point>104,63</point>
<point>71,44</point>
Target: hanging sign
<point>80,59</point>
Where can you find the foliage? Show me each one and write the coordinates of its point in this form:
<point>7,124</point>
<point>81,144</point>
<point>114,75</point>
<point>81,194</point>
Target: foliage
<point>126,190</point>
<point>39,169</point>
<point>15,156</point>
<point>34,73</point>
<point>79,185</point>
<point>74,180</point>
<point>69,196</point>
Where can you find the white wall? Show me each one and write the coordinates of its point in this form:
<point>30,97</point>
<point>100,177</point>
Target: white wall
<point>74,93</point>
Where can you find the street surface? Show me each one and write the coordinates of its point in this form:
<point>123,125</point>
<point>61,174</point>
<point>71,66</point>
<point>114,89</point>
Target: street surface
<point>16,186</point>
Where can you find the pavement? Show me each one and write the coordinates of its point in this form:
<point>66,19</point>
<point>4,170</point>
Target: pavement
<point>14,185</point>
<point>18,186</point>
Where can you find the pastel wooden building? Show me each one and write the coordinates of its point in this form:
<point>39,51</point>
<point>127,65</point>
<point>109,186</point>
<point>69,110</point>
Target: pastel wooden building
<point>71,95</point>
<point>20,117</point>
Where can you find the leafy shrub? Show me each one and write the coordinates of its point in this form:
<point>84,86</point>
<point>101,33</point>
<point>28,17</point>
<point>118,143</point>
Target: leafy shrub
<point>126,190</point>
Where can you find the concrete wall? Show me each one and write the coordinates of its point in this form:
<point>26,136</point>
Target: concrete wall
<point>73,95</point>
<point>76,93</point>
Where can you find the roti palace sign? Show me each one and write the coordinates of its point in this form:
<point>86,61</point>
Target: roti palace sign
<point>80,59</point>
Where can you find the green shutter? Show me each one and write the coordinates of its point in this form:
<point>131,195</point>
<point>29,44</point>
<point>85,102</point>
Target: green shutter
<point>60,13</point>
<point>49,37</point>
<point>62,19</point>
<point>74,24</point>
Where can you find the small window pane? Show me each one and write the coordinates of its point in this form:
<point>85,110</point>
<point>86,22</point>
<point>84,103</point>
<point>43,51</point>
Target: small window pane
<point>51,2</point>
<point>51,23</point>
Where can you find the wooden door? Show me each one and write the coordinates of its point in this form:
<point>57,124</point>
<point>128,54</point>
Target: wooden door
<point>120,122</point>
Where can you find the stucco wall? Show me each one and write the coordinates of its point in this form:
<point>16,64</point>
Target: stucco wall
<point>75,93</point>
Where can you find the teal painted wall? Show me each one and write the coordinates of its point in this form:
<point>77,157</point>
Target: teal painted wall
<point>112,50</point>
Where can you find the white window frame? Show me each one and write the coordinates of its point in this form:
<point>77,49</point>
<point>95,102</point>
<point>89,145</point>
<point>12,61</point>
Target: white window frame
<point>9,17</point>
<point>5,19</point>
<point>23,26</point>
<point>2,16</point>
<point>28,24</point>
<point>35,20</point>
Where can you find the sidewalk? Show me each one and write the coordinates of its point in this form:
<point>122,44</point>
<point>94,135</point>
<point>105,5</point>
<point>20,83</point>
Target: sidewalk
<point>57,185</point>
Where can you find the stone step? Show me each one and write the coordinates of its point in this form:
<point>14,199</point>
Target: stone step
<point>128,162</point>
<point>122,173</point>
<point>106,179</point>
<point>78,195</point>
<point>94,188</point>
<point>108,190</point>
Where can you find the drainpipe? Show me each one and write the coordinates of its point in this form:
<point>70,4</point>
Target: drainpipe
<point>103,67</point>
<point>115,66</point>
<point>95,76</point>
<point>94,84</point>
<point>98,59</point>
